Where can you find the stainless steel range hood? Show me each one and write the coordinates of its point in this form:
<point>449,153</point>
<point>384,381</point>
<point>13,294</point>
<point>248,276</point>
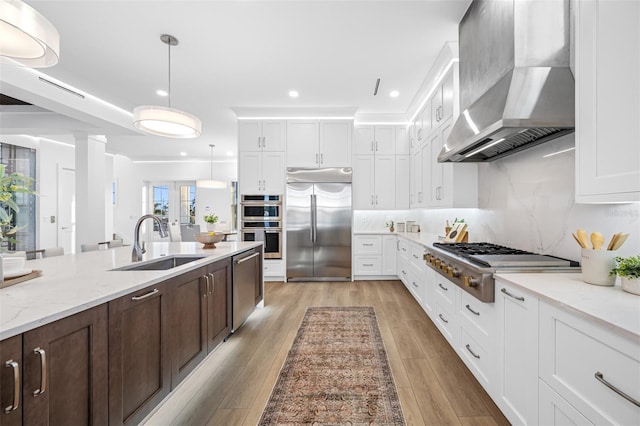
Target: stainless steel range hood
<point>516,87</point>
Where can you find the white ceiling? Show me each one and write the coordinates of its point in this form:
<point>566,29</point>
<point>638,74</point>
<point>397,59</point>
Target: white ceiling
<point>246,54</point>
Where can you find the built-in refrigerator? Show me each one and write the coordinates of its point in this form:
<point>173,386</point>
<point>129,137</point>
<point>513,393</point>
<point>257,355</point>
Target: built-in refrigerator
<point>318,224</point>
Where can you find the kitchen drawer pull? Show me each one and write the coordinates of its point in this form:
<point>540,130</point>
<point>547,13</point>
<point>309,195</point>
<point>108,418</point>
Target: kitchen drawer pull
<point>264,141</point>
<point>443,287</point>
<point>404,249</point>
<point>472,311</point>
<point>206,288</point>
<point>16,386</point>
<point>367,244</point>
<point>367,264</point>
<point>321,158</point>
<point>415,257</point>
<point>404,272</point>
<point>520,298</point>
<point>317,162</point>
<point>471,352</point>
<point>144,296</point>
<point>442,318</point>
<point>244,259</point>
<point>414,284</point>
<point>213,283</point>
<point>43,371</point>
<point>599,376</point>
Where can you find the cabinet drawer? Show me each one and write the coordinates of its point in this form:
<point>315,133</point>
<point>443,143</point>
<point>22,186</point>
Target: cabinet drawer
<point>403,248</point>
<point>477,315</point>
<point>446,322</point>
<point>476,357</point>
<point>367,244</point>
<point>368,265</point>
<point>555,411</point>
<point>403,270</point>
<point>415,256</point>
<point>273,268</point>
<point>573,352</point>
<point>446,291</point>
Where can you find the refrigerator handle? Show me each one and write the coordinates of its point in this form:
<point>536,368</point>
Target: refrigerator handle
<point>314,233</point>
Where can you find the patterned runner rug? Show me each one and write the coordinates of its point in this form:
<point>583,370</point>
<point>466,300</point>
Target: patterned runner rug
<point>336,373</point>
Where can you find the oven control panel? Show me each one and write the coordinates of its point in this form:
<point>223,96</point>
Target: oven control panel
<point>478,284</point>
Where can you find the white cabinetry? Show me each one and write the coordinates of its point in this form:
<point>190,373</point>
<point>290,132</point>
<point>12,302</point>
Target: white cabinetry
<point>607,101</point>
<point>402,260</point>
<point>595,371</point>
<point>257,135</point>
<point>517,357</point>
<point>312,143</point>
<point>378,182</point>
<point>374,255</point>
<point>261,172</point>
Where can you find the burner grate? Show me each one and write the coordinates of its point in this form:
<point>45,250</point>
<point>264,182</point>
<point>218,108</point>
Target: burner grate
<point>473,249</point>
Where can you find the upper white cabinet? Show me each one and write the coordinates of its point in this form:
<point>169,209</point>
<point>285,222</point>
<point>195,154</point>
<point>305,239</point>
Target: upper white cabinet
<point>375,140</point>
<point>261,172</point>
<point>258,135</point>
<point>378,182</point>
<point>313,143</point>
<point>607,100</point>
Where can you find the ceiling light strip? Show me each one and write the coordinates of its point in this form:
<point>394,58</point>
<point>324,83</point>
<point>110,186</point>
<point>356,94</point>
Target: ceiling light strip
<point>559,152</point>
<point>61,87</point>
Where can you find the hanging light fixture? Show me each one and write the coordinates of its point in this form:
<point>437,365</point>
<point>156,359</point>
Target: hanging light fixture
<point>26,37</point>
<point>211,183</point>
<point>167,121</point>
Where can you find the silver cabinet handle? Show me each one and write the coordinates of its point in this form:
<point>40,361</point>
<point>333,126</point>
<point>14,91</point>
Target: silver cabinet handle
<point>43,371</point>
<point>442,318</point>
<point>600,377</point>
<point>258,141</point>
<point>520,298</point>
<point>322,158</point>
<point>404,272</point>
<point>244,259</point>
<point>317,162</point>
<point>371,146</point>
<point>471,352</point>
<point>367,244</point>
<point>264,141</point>
<point>213,283</point>
<point>372,199</point>
<point>376,199</point>
<point>404,249</point>
<point>419,134</point>
<point>16,386</point>
<point>443,287</point>
<point>472,311</point>
<point>206,288</point>
<point>376,145</point>
<point>414,284</point>
<point>144,296</point>
<point>367,264</point>
<point>415,257</point>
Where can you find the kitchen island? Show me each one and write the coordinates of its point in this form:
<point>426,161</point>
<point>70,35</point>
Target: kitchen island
<point>93,341</point>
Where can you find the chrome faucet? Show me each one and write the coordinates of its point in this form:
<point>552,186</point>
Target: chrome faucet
<point>136,254</point>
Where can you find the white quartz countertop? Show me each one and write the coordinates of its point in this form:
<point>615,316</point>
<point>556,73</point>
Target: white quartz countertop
<point>423,238</point>
<point>73,283</point>
<point>612,307</point>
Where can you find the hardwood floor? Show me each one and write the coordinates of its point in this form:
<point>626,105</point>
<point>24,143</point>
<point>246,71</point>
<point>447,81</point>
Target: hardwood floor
<point>232,386</point>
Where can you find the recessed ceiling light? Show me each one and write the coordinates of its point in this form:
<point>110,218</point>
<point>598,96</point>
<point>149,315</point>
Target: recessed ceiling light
<point>394,94</point>
<point>293,94</point>
<point>184,154</point>
<point>161,92</point>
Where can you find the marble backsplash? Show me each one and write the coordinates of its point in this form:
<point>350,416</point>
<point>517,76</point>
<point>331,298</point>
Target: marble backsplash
<point>526,201</point>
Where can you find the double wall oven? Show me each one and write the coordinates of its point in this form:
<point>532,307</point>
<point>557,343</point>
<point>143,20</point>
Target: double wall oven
<point>261,220</point>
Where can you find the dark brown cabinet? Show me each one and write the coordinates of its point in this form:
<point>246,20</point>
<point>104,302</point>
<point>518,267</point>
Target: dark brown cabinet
<point>11,381</point>
<point>201,315</point>
<point>139,353</point>
<point>57,374</point>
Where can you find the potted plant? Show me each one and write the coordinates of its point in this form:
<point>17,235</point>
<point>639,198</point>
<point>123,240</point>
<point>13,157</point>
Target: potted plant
<point>628,270</point>
<point>10,184</point>
<point>390,226</point>
<point>211,219</point>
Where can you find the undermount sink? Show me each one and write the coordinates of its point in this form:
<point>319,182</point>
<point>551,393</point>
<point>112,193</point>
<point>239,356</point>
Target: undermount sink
<point>161,264</point>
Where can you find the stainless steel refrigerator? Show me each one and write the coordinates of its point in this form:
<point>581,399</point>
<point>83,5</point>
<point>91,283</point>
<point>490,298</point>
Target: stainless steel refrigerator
<point>318,223</point>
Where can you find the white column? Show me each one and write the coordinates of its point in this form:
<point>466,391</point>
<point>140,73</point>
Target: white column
<point>90,187</point>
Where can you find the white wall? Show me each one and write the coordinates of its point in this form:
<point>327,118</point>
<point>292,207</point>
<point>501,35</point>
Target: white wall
<point>527,202</point>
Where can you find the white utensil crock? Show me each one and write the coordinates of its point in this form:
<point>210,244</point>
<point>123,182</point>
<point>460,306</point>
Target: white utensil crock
<point>596,266</point>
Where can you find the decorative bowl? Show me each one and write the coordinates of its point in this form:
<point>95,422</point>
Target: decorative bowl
<point>208,240</point>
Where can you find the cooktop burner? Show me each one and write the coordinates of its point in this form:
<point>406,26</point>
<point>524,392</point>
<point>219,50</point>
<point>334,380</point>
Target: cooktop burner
<point>473,249</point>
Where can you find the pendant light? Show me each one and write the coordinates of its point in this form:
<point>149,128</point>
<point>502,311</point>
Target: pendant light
<point>211,183</point>
<point>26,37</point>
<point>167,121</point>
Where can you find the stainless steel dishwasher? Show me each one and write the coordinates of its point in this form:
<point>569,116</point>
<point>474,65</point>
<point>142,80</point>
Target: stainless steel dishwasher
<point>247,277</point>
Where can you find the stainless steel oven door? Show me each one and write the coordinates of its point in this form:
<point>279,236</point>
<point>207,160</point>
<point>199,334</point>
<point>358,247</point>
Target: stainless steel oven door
<point>261,211</point>
<point>271,239</point>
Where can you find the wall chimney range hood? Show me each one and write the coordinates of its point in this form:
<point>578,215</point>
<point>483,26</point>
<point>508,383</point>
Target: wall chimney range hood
<point>516,87</point>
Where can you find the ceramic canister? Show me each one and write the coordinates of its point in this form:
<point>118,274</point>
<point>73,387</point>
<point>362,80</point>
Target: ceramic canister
<point>596,266</point>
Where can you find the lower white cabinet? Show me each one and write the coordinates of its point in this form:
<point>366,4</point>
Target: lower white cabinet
<point>374,255</point>
<point>517,354</point>
<point>273,269</point>
<point>594,370</point>
<point>555,411</point>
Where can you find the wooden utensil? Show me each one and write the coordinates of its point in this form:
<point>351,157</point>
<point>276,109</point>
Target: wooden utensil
<point>578,240</point>
<point>582,236</point>
<point>613,241</point>
<point>623,237</point>
<point>597,240</point>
